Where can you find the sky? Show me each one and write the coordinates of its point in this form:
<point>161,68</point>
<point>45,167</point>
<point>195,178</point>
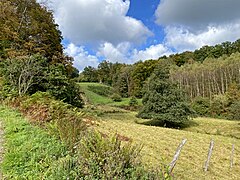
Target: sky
<point>127,31</point>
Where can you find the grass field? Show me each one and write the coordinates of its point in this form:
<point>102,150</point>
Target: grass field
<point>160,144</point>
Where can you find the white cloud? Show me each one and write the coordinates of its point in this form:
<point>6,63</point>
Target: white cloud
<point>115,54</point>
<point>189,24</point>
<point>197,13</point>
<point>182,39</point>
<point>124,53</point>
<point>152,52</point>
<point>81,57</point>
<point>97,21</point>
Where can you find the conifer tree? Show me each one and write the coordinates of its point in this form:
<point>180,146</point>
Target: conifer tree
<point>163,100</point>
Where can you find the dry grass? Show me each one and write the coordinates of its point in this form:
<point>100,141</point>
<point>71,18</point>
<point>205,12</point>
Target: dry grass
<point>160,144</point>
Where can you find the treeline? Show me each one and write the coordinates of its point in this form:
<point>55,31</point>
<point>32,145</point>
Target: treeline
<point>31,54</point>
<point>204,72</point>
<point>209,76</point>
<point>213,76</point>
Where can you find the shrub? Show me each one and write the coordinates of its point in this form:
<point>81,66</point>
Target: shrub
<point>133,101</point>
<point>107,158</point>
<point>218,106</point>
<point>116,98</point>
<point>64,121</point>
<point>234,111</point>
<point>201,106</point>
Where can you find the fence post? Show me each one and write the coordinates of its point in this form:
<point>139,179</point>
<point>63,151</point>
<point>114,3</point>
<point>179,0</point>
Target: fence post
<point>231,158</point>
<point>175,158</point>
<point>209,155</point>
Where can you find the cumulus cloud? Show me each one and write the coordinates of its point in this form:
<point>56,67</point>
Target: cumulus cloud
<point>81,57</point>
<point>124,52</point>
<point>193,13</point>
<point>152,52</point>
<point>191,24</point>
<point>181,39</point>
<point>94,21</point>
<point>118,53</point>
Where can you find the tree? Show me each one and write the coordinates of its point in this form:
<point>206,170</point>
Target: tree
<point>23,73</point>
<point>163,100</point>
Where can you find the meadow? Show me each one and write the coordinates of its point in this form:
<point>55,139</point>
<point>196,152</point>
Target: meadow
<point>160,144</point>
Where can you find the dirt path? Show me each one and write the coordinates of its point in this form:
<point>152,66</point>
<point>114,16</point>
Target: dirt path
<point>1,146</point>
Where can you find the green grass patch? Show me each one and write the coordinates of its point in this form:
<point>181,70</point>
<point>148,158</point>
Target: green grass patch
<point>160,144</point>
<point>92,97</point>
<point>30,153</point>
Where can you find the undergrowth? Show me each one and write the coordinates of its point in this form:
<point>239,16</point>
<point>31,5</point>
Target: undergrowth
<point>56,144</point>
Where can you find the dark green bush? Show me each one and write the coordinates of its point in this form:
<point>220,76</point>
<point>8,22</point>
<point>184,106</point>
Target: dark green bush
<point>218,106</point>
<point>116,97</point>
<point>133,101</point>
<point>101,90</point>
<point>61,87</point>
<point>201,106</point>
<point>234,111</point>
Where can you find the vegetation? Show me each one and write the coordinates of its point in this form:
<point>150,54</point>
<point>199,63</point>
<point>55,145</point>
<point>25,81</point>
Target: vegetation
<point>159,144</point>
<point>163,101</point>
<point>70,118</point>
<point>29,151</point>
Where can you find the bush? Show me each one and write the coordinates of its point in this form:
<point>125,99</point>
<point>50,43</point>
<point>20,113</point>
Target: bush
<point>234,111</point>
<point>61,87</point>
<point>133,101</point>
<point>201,106</point>
<point>116,98</point>
<point>218,106</point>
<point>107,158</point>
<point>64,121</point>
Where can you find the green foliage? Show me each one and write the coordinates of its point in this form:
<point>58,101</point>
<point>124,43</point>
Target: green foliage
<point>234,111</point>
<point>65,122</point>
<point>21,32</point>
<point>133,101</point>
<point>108,158</point>
<point>201,106</point>
<point>89,74</point>
<point>61,87</point>
<point>219,106</point>
<point>142,71</point>
<point>23,73</point>
<point>105,91</point>
<point>116,97</point>
<point>163,101</point>
<point>29,151</point>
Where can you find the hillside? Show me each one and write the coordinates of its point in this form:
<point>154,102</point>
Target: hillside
<point>159,144</point>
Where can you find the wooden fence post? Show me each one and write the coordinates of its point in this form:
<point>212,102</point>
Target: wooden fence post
<point>175,158</point>
<point>209,155</point>
<point>231,158</point>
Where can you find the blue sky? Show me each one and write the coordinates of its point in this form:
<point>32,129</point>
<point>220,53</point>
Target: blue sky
<point>127,31</point>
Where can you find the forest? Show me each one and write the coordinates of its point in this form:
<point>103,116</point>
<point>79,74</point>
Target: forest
<point>103,123</point>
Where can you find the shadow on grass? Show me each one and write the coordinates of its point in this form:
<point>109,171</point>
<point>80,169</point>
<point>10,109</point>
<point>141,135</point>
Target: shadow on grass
<point>158,123</point>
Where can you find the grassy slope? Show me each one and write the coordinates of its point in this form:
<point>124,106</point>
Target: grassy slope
<point>92,97</point>
<point>96,99</point>
<point>29,151</point>
<point>161,143</point>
